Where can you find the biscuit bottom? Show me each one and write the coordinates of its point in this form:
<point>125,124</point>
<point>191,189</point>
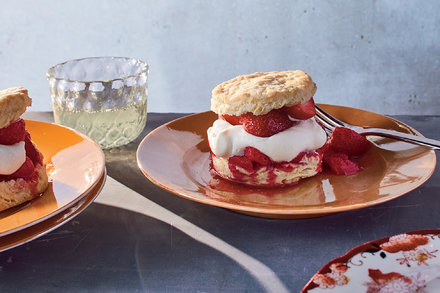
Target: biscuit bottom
<point>273,175</point>
<point>17,191</point>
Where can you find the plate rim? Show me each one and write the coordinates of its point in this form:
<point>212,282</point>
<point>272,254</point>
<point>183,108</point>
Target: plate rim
<point>289,213</point>
<point>58,219</point>
<point>74,200</point>
<point>361,248</point>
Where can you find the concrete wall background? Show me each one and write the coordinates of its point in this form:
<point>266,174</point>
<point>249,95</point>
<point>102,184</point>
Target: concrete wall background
<point>378,55</point>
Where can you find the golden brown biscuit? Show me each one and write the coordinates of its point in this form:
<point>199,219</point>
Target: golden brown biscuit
<point>262,92</point>
<point>18,191</point>
<point>270,176</point>
<point>13,103</point>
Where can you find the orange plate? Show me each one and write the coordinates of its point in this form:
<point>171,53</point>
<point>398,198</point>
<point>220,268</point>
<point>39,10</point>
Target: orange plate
<point>39,229</point>
<point>175,156</point>
<point>74,163</point>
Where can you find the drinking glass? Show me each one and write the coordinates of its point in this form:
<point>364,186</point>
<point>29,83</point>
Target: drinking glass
<point>102,97</point>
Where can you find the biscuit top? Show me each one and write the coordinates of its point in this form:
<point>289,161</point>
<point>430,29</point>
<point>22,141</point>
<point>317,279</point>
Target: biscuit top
<point>261,92</point>
<point>13,103</point>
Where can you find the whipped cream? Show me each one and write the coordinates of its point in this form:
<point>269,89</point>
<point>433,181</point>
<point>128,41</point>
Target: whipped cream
<point>11,157</point>
<point>227,140</point>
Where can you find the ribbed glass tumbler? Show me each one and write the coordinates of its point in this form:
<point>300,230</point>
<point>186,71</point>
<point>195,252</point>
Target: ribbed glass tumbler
<point>102,97</point>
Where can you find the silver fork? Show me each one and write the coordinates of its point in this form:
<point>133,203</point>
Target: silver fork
<point>329,122</point>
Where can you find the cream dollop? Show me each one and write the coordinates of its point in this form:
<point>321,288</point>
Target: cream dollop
<point>228,140</point>
<point>12,157</point>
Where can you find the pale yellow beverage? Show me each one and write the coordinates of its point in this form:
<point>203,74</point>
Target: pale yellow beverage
<point>103,97</point>
<point>109,128</point>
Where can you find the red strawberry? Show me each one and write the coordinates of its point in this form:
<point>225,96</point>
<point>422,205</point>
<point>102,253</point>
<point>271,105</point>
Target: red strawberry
<point>266,125</point>
<point>340,164</point>
<point>302,111</point>
<point>12,133</point>
<point>31,151</point>
<point>241,162</point>
<point>234,120</point>
<point>256,156</point>
<point>347,141</point>
<point>25,170</point>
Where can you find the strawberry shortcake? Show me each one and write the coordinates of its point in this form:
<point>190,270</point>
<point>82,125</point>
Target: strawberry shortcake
<point>266,134</point>
<point>22,171</point>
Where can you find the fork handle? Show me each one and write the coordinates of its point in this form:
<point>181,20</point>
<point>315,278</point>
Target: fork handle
<point>415,139</point>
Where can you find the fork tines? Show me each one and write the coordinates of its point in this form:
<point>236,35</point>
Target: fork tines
<point>327,127</point>
<point>329,122</point>
<point>328,117</point>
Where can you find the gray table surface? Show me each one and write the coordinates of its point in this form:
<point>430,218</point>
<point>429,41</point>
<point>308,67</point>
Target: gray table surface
<point>107,249</point>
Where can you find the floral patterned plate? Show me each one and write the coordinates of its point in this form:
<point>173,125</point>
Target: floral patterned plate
<point>408,262</point>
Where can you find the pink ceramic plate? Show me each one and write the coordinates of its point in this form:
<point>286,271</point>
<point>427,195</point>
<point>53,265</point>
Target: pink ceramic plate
<point>176,157</point>
<point>405,263</point>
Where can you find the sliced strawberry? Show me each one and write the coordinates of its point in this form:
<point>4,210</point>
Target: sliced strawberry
<point>31,151</point>
<point>298,158</point>
<point>326,150</point>
<point>232,119</point>
<point>340,164</point>
<point>256,156</point>
<point>12,133</point>
<point>25,170</point>
<point>302,111</point>
<point>266,125</point>
<point>240,162</point>
<point>347,141</point>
